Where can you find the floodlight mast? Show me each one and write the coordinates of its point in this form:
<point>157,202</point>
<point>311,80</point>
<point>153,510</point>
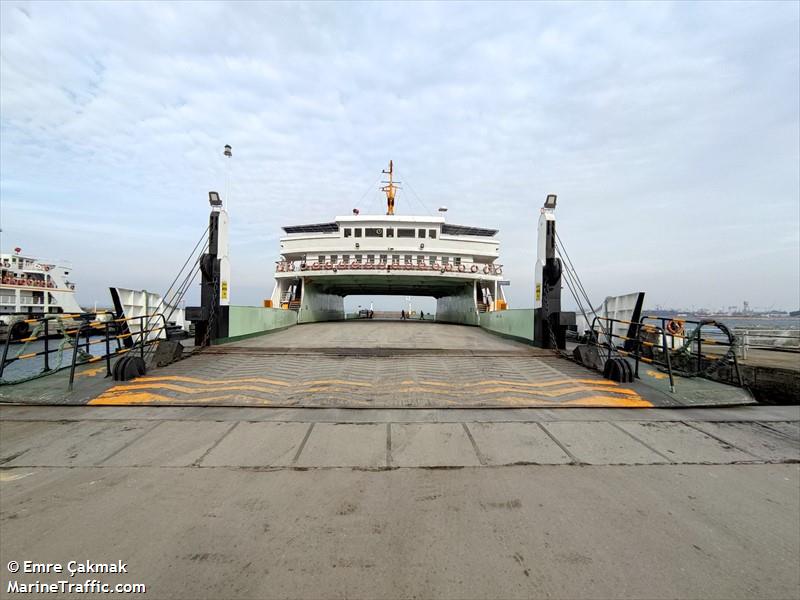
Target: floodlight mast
<point>390,189</point>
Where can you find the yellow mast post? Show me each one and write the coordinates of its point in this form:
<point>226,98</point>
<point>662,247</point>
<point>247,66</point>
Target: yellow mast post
<point>390,189</point>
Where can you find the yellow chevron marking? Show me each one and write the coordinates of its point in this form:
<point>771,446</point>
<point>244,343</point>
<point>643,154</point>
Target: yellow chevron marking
<point>187,390</point>
<point>656,374</point>
<point>336,381</point>
<point>542,384</point>
<point>211,381</point>
<point>90,372</point>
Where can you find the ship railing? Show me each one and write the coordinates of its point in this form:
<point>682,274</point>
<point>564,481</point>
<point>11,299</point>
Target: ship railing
<point>465,268</point>
<point>634,346</point>
<point>110,331</point>
<point>766,339</point>
<point>699,347</point>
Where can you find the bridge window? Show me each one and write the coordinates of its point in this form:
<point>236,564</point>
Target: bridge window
<point>421,233</point>
<point>345,258</point>
<point>347,232</point>
<point>321,258</point>
<point>357,232</point>
<point>383,258</point>
<point>395,259</point>
<point>431,260</point>
<point>373,232</point>
<point>371,258</point>
<point>390,232</point>
<point>405,233</point>
<point>445,260</point>
<point>420,260</point>
<point>333,259</point>
<point>358,258</point>
<point>407,259</point>
<point>457,261</point>
<point>432,234</point>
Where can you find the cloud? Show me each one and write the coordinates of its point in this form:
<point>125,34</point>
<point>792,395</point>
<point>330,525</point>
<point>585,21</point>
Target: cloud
<point>669,131</point>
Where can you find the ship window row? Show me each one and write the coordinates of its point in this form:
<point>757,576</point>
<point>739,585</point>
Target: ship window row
<point>394,259</point>
<point>389,232</point>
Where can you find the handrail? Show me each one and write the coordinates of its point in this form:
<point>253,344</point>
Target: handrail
<point>638,344</point>
<point>143,341</point>
<point>86,328</point>
<point>353,265</point>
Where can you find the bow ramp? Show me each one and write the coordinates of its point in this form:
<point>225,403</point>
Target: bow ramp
<point>369,364</point>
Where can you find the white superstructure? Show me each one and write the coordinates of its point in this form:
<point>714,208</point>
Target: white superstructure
<point>36,287</point>
<point>390,255</point>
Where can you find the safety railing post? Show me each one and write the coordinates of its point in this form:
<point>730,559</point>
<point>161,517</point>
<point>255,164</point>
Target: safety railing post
<point>5,351</point>
<point>76,346</point>
<point>699,347</point>
<point>668,360</point>
<point>108,353</point>
<point>638,348</point>
<point>46,347</point>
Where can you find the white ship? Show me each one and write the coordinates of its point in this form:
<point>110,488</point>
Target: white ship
<point>389,254</point>
<point>31,287</point>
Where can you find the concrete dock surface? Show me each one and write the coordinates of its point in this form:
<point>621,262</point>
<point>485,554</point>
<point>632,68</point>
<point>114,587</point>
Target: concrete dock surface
<point>222,502</point>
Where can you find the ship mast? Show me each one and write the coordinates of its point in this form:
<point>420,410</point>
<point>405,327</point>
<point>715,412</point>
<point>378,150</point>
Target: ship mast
<point>390,189</point>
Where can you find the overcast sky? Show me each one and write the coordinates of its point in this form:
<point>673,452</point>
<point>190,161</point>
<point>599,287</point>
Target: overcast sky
<point>670,132</point>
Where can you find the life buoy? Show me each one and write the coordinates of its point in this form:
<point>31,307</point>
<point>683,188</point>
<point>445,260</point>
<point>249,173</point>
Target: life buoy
<point>461,268</point>
<point>29,281</point>
<point>675,326</point>
<point>498,271</point>
<point>303,266</point>
<point>382,265</point>
<point>486,270</point>
<point>354,265</point>
<point>448,267</point>
<point>290,267</point>
<point>6,279</point>
<point>316,266</point>
<point>368,266</point>
<point>280,268</point>
<point>328,266</point>
<point>473,269</point>
<point>435,266</point>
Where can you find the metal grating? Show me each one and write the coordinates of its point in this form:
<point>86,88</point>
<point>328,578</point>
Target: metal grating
<point>465,230</point>
<point>313,228</point>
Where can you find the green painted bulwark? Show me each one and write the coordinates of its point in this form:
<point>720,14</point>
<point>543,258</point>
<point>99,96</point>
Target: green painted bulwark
<point>253,320</point>
<point>515,323</point>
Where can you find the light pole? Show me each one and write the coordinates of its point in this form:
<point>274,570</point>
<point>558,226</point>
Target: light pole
<point>228,154</point>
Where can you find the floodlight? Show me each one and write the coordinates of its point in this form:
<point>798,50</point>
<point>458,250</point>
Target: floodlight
<point>550,202</point>
<point>214,199</point>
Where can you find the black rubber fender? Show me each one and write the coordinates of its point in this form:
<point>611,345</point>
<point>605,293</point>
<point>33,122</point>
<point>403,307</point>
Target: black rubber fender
<point>618,369</point>
<point>552,271</point>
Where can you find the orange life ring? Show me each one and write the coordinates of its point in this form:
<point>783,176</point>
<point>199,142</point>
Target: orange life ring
<point>461,268</point>
<point>328,266</point>
<point>280,268</point>
<point>316,266</point>
<point>498,271</point>
<point>473,269</point>
<point>6,279</point>
<point>303,266</point>
<point>382,265</point>
<point>354,265</point>
<point>675,327</point>
<point>486,270</point>
<point>435,266</point>
<point>448,267</point>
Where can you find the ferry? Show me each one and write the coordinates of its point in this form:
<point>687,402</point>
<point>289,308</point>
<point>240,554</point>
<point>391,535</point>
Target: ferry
<point>321,263</point>
<point>31,287</point>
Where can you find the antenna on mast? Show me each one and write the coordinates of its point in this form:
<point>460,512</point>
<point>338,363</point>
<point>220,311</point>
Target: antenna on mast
<point>390,188</point>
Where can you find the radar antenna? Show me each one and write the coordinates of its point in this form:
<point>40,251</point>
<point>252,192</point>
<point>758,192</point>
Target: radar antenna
<point>390,189</point>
